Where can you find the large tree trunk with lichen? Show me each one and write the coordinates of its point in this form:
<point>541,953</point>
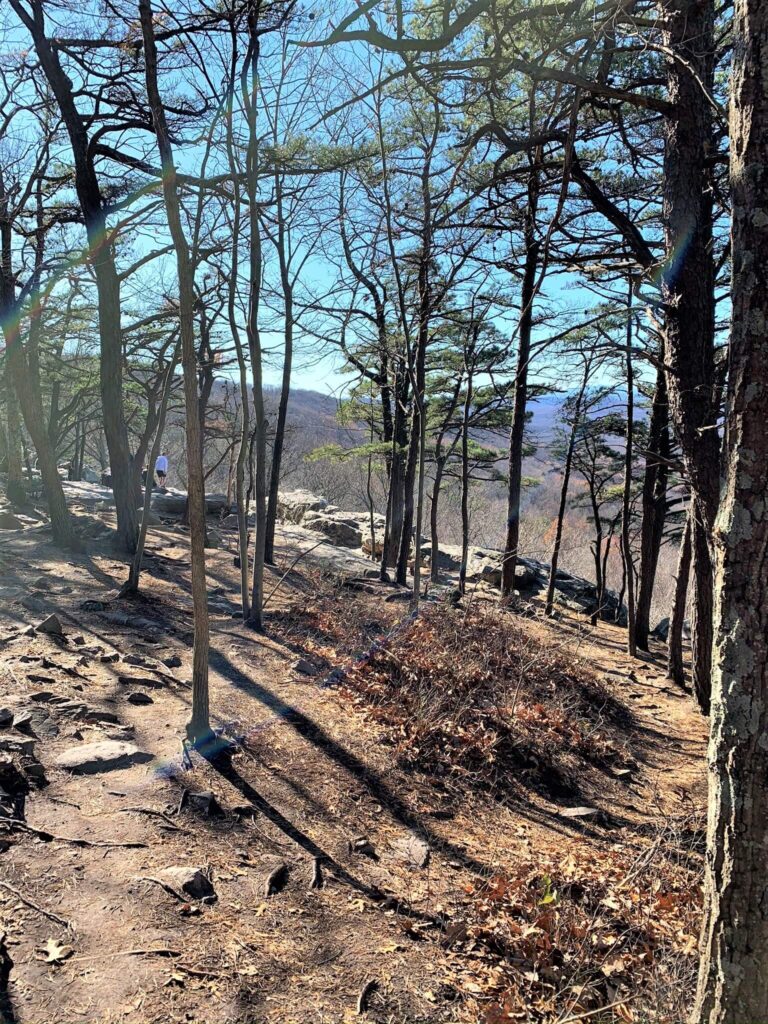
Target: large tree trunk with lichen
<point>733,974</point>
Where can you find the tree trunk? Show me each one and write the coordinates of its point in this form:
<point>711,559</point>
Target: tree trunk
<point>467,408</point>
<point>434,566</point>
<point>132,584</point>
<point>626,504</point>
<point>688,289</point>
<point>675,667</point>
<point>654,505</point>
<point>102,261</point>
<point>198,727</point>
<point>23,388</point>
<point>285,386</point>
<point>15,488</point>
<point>702,610</point>
<point>564,491</point>
<point>733,971</point>
<point>249,82</point>
<point>396,495</point>
<point>517,430</point>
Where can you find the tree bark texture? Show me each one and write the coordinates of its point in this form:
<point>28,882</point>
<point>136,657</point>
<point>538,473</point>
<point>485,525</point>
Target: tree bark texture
<point>733,974</point>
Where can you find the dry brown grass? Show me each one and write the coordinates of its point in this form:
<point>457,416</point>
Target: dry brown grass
<point>475,698</point>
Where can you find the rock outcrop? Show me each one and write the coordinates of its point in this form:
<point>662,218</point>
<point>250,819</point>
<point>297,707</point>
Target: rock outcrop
<point>292,506</point>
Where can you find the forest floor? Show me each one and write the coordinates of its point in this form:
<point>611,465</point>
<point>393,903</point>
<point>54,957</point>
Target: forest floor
<point>358,874</point>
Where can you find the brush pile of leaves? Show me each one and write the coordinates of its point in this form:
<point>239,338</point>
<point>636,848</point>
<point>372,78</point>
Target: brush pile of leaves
<point>613,931</point>
<point>480,700</point>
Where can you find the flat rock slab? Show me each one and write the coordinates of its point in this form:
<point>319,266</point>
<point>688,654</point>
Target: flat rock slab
<point>91,758</point>
<point>579,813</point>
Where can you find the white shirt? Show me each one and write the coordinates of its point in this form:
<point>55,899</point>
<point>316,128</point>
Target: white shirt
<point>161,466</point>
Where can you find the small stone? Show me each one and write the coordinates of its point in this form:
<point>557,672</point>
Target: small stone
<point>51,625</point>
<point>137,697</point>
<point>173,662</point>
<point>106,756</point>
<point>189,880</point>
<point>412,850</point>
<point>35,771</point>
<point>42,583</point>
<point>204,803</point>
<point>22,721</point>
<point>94,606</point>
<point>363,846</point>
<point>42,696</point>
<point>109,659</point>
<point>18,744</point>
<point>79,640</point>
<point>6,717</point>
<point>304,667</point>
<point>34,603</point>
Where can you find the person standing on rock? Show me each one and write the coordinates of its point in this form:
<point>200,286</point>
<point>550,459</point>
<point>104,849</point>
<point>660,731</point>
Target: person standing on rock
<point>161,469</point>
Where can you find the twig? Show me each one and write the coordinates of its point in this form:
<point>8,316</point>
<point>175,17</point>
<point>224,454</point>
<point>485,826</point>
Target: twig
<point>52,837</point>
<point>368,989</point>
<point>316,881</point>
<point>196,971</point>
<point>34,906</point>
<point>593,1013</point>
<point>127,952</point>
<point>296,560</point>
<point>157,814</point>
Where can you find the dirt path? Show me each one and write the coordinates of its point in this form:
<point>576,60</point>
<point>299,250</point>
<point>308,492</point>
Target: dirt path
<point>314,782</point>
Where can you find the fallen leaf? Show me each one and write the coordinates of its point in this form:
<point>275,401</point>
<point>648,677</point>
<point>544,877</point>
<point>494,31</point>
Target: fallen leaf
<point>55,953</point>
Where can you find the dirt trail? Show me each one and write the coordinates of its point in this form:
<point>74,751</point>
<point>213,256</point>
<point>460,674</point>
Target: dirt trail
<point>314,782</point>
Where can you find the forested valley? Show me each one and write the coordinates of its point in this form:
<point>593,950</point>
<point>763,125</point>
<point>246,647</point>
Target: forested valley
<point>383,524</point>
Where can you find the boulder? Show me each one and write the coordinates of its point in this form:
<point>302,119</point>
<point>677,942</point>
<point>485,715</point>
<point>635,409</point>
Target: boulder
<point>169,502</point>
<point>368,547</point>
<point>216,503</point>
<point>106,756</point>
<point>448,557</point>
<point>192,881</point>
<point>292,506</point>
<point>152,518</point>
<point>340,528</point>
<point>490,572</point>
<point>172,502</point>
<point>8,521</point>
<point>661,629</point>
